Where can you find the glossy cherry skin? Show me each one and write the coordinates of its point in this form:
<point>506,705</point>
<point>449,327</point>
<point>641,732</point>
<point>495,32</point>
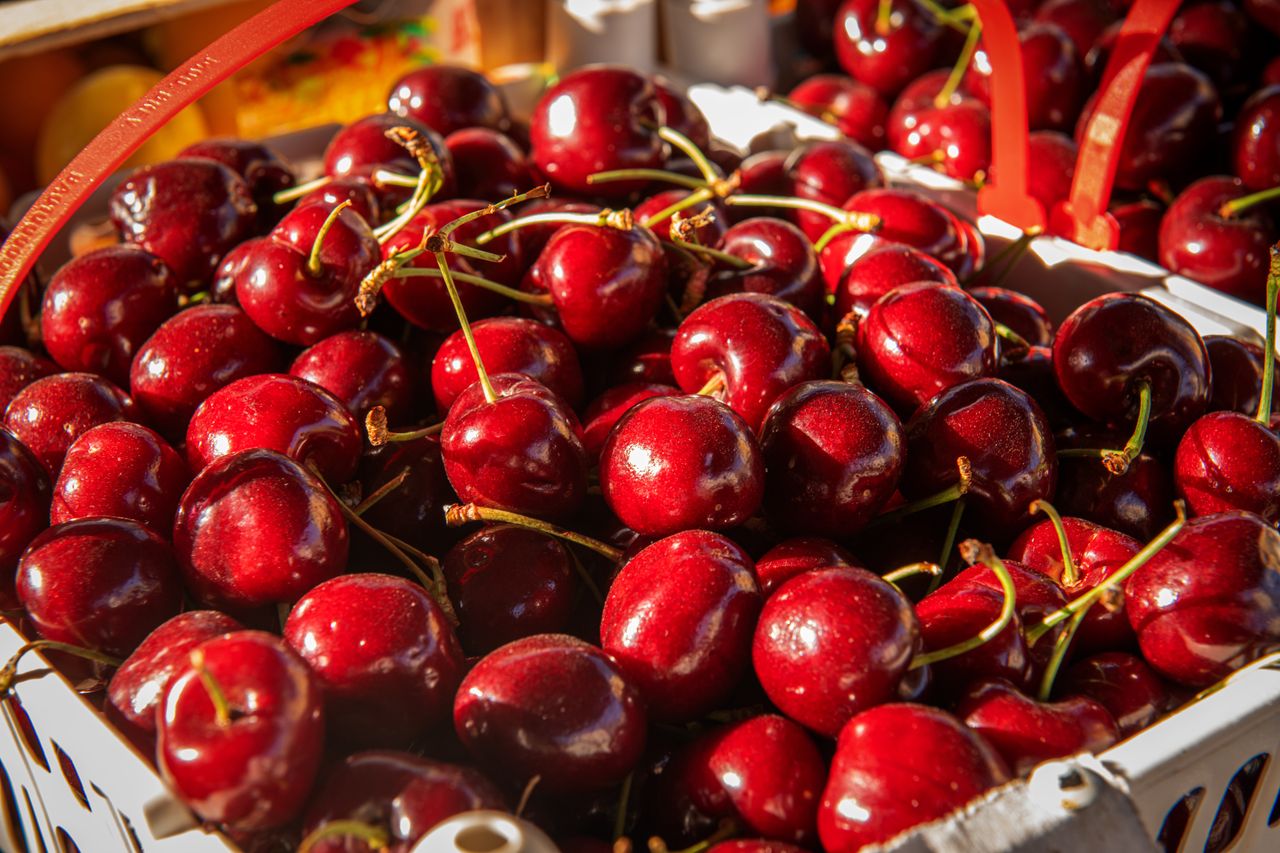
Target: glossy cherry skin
<point>958,611</point>
<point>123,470</point>
<point>363,147</point>
<point>783,264</point>
<point>885,60</point>
<point>1229,461</point>
<point>18,369</point>
<point>1138,502</point>
<point>384,654</point>
<point>798,555</point>
<point>855,108</point>
<point>508,582</point>
<point>682,114</point>
<point>414,510</point>
<point>1055,82</point>
<point>511,714</point>
<point>1123,684</point>
<point>447,98</point>
<point>400,793</point>
<point>1084,21</point>
<point>1174,121</point>
<point>188,213</point>
<point>101,583</point>
<point>760,344</point>
<point>264,171</point>
<point>1111,343</point>
<point>878,789</point>
<point>678,621</point>
<point>1214,37</point>
<point>138,687</point>
<point>680,463</point>
<point>832,642</point>
<point>1209,602</point>
<point>764,173</point>
<point>597,119</point>
<point>24,508</point>
<point>256,528</point>
<point>833,455</point>
<point>508,345</point>
<point>829,172</point>
<point>910,218</point>
<point>100,307</point>
<point>359,190</point>
<point>1255,147</point>
<point>362,370</point>
<point>51,413</point>
<point>255,772</point>
<point>488,164</point>
<point>1236,367</point>
<point>957,136</point>
<point>604,412</point>
<point>765,773</point>
<point>871,267</point>
<point>607,284</point>
<point>1228,253</point>
<point>1020,313</point>
<point>1026,732</point>
<point>277,412</point>
<point>523,452</point>
<point>193,354</point>
<point>754,845</point>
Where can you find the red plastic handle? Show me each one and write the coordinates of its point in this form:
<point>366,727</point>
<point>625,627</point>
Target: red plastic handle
<point>1083,216</point>
<point>110,148</point>
<point>1006,194</point>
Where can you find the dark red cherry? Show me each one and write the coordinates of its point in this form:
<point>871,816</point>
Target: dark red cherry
<point>760,345</point>
<point>508,582</point>
<point>885,51</point>
<point>877,788</point>
<point>1138,502</point>
<point>829,172</point>
<point>361,369</point>
<point>522,452</point>
<point>1123,684</point>
<point>604,412</point>
<point>764,173</point>
<point>596,119</point>
<point>278,412</point>
<point>1054,75</point>
<point>678,621</point>
<point>682,114</point>
<point>783,264</point>
<point>102,583</point>
<point>384,654</point>
<point>959,611</point>
<point>798,555</point>
<point>679,463</point>
<point>256,528</point>
<point>363,147</point>
<point>1229,461</point>
<point>188,213</point>
<point>24,508</point>
<point>414,510</point>
<point>870,268</point>
<point>18,369</point>
<point>1139,223</point>
<point>1255,147</point>
<point>359,190</point>
<point>648,359</point>
<point>1236,367</point>
<point>138,687</point>
<point>511,714</point>
<point>832,642</point>
<point>252,770</point>
<point>1098,55</point>
<point>708,234</point>
<point>99,308</point>
<point>854,107</point>
<point>1032,371</point>
<point>123,470</point>
<point>910,218</point>
<point>1084,21</point>
<point>1055,155</point>
<point>1020,313</point>
<point>447,98</point>
<point>264,171</point>
<point>1213,36</point>
<point>223,287</point>
<point>833,454</point>
<point>903,356</point>
<point>51,413</point>
<point>508,345</point>
<point>956,136</point>
<point>193,354</point>
<point>1209,602</point>
<point>1026,732</point>
<point>488,164</point>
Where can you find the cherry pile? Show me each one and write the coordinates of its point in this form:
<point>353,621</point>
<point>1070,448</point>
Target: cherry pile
<point>1199,168</point>
<point>682,500</point>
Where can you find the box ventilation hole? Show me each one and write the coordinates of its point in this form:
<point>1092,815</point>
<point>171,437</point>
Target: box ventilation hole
<point>65,843</point>
<point>12,816</point>
<point>27,733</point>
<point>1229,819</point>
<point>69,773</point>
<point>1177,820</point>
<point>35,824</point>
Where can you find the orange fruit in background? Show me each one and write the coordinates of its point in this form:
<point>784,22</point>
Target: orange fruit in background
<point>92,103</point>
<point>29,88</point>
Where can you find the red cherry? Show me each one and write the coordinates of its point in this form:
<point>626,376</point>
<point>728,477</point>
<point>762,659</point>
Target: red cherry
<point>488,163</point>
<point>910,218</point>
<point>958,611</point>
<point>1236,367</point>
<point>783,264</point>
<point>798,555</point>
<point>363,147</point>
<point>1096,52</point>
<point>1055,84</point>
<point>1138,502</point>
<point>51,413</point>
<point>1020,313</point>
<point>1214,37</point>
<point>507,345</point>
<point>359,190</point>
<point>264,171</point>
<point>682,114</point>
<point>18,369</point>
<point>1229,461</point>
<point>122,470</point>
<point>957,136</point>
<point>24,508</point>
<point>447,98</point>
<point>708,234</point>
<point>362,370</point>
<point>764,173</point>
<point>1082,20</point>
<point>885,51</point>
<point>604,412</point>
<point>829,172</point>
<point>1123,684</point>
<point>1255,147</point>
<point>855,108</point>
<point>870,268</point>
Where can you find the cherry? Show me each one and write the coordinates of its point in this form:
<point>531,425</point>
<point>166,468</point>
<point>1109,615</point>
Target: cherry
<point>682,114</point>
<point>1213,37</point>
<point>758,344</point>
<point>853,107</point>
<point>363,147</point>
<point>1084,21</point>
<point>596,119</point>
<point>1229,461</point>
<point>955,136</point>
<point>872,267</point>
<point>1032,371</point>
<point>508,345</point>
<point>358,190</point>
<point>1136,502</point>
<point>798,555</point>
<point>256,528</point>
<point>677,463</point>
<point>604,412</point>
<point>764,773</point>
<point>829,172</point>
<point>832,642</point>
<point>511,714</point>
<point>1055,84</point>
<point>24,508</point>
<point>534,236</point>
<point>878,789</point>
<point>1255,147</point>
<point>488,164</point>
<point>782,264</point>
<point>710,216</point>
<point>192,355</point>
<point>241,731</point>
<point>910,218</point>
<point>885,45</point>
<point>1236,367</point>
<point>1020,313</point>
<point>1097,53</point>
<point>957,612</point>
<point>189,213</point>
<point>264,171</point>
<point>648,359</point>
<point>278,412</point>
<point>18,369</point>
<point>384,654</point>
<point>102,583</point>
<point>1203,238</point>
<point>764,173</point>
<point>51,413</point>
<point>362,370</point>
<point>1055,155</point>
<point>678,621</point>
<point>1026,732</point>
<point>1139,223</point>
<point>833,455</point>
<point>1209,602</point>
<point>1123,684</point>
<point>138,687</point>
<point>123,470</point>
<point>448,98</point>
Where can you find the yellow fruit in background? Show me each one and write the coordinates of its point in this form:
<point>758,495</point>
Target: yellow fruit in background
<point>29,87</point>
<point>91,104</point>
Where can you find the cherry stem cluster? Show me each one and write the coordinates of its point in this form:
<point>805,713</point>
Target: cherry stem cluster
<point>977,552</point>
<point>9,672</point>
<point>374,837</point>
<point>620,219</point>
<point>457,515</point>
<point>1070,576</point>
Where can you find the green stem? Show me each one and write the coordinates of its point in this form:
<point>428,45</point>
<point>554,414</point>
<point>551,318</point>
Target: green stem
<point>620,817</point>
<point>537,192</point>
<point>313,259</point>
<point>855,220</point>
<point>1269,348</point>
<point>374,837</point>
<point>911,570</point>
<point>962,64</point>
<point>375,426</point>
<point>1237,206</point>
<point>690,150</point>
<point>988,558</point>
<point>953,18</point>
<point>953,529</point>
<point>484,283</point>
<point>9,671</point>
<point>694,198</point>
<point>620,219</point>
<point>1070,576</point>
<point>1008,255</point>
<point>221,708</point>
<point>460,514</point>
<point>884,17</point>
<point>950,493</point>
<point>490,395</point>
<point>1007,334</point>
<point>1133,447</point>
<point>296,192</point>
<point>1060,646</point>
<point>384,178</point>
<point>381,492</point>
<point>676,178</point>
<point>723,257</point>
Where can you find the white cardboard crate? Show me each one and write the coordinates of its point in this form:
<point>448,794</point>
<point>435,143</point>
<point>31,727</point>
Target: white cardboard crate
<point>1116,801</point>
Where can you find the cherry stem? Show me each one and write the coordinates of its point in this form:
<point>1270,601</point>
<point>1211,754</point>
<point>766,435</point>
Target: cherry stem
<point>8,672</point>
<point>298,191</point>
<point>855,220</point>
<point>457,515</point>
<point>221,708</point>
<point>537,192</point>
<point>962,64</point>
<point>1007,334</point>
<point>687,147</point>
<point>978,552</point>
<point>1237,206</point>
<point>607,218</point>
<point>715,254</point>
<point>1269,348</point>
<point>693,198</point>
<point>676,178</point>
<point>375,426</point>
<point>385,178</point>
<point>490,395</point>
<point>949,542</point>
<point>313,260</point>
<point>1008,256</point>
<point>1070,576</point>
<point>951,493</point>
<point>1133,447</point>
<point>1060,646</point>
<point>953,18</point>
<point>714,385</point>
<point>1137,561</point>
<point>911,570</point>
<point>478,281</point>
<point>375,837</point>
<point>728,829</point>
<point>428,182</point>
<point>620,817</point>
<point>381,492</point>
<point>884,17</point>
<point>527,793</point>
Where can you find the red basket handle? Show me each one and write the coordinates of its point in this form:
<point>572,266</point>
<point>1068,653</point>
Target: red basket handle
<point>1083,216</point>
<point>110,148</point>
